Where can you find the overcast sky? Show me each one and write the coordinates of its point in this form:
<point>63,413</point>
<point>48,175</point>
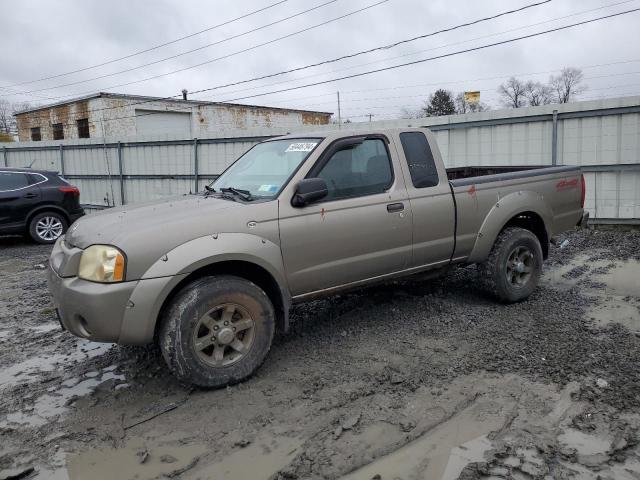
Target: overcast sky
<point>46,38</point>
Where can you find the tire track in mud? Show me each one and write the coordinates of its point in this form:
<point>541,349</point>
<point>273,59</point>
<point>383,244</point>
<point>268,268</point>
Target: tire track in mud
<point>398,357</point>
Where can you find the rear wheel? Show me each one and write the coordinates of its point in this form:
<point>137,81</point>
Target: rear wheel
<point>46,227</point>
<point>217,331</point>
<point>512,270</point>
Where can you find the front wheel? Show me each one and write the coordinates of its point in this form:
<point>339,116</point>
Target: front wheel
<point>217,331</point>
<point>512,270</point>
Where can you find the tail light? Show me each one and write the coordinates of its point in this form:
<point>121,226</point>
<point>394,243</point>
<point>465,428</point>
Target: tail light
<point>584,190</point>
<point>70,189</point>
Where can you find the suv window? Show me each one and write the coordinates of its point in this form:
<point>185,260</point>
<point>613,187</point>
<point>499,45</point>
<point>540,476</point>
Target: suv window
<point>12,181</point>
<point>362,170</point>
<point>419,159</point>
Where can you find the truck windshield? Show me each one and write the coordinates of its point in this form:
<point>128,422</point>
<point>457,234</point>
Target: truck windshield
<point>265,168</point>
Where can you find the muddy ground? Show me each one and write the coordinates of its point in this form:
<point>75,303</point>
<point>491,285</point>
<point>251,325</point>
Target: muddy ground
<point>410,380</point>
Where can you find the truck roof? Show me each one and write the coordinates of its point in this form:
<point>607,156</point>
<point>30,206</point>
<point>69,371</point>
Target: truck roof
<point>348,132</point>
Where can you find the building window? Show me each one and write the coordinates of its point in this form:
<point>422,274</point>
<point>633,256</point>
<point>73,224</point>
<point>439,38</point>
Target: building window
<point>36,136</point>
<point>83,128</point>
<point>58,131</point>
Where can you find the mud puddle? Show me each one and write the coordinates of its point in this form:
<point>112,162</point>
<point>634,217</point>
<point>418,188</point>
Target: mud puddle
<point>615,284</point>
<point>171,456</point>
<point>405,380</point>
<point>57,401</point>
<point>442,453</point>
<point>259,460</point>
<point>31,369</point>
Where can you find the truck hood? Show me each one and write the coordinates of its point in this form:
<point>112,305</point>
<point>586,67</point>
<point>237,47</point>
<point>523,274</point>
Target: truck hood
<point>164,223</point>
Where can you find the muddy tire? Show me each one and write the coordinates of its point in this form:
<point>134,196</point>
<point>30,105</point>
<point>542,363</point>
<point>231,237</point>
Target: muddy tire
<point>46,227</point>
<point>217,331</point>
<point>512,270</point>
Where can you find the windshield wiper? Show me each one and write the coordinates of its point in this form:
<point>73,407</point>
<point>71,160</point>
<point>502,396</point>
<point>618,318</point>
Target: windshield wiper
<point>209,190</point>
<point>244,194</point>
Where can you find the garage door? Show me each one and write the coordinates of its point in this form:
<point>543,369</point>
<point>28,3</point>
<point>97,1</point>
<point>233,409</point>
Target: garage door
<point>153,123</point>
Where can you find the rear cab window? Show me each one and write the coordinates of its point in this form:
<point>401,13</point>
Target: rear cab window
<point>419,156</point>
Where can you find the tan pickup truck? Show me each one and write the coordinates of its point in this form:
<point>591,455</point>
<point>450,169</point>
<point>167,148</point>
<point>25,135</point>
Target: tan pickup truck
<point>211,276</point>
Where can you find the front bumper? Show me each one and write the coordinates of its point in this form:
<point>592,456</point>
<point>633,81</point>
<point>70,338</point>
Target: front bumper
<point>90,310</point>
<point>124,313</point>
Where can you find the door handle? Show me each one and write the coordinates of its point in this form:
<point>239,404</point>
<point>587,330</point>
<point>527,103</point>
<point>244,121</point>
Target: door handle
<point>395,207</point>
<point>30,195</point>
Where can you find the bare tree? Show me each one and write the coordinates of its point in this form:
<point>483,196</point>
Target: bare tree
<point>567,85</point>
<point>512,93</point>
<point>6,116</point>
<point>537,93</point>
<point>407,113</point>
<point>462,106</point>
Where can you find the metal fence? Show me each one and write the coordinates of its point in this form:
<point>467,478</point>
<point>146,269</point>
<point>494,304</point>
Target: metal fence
<point>119,173</point>
<point>601,136</point>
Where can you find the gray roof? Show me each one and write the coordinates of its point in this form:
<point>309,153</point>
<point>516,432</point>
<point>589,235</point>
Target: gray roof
<point>164,99</point>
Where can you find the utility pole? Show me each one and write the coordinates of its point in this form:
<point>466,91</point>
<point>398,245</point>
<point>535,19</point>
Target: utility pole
<point>370,115</point>
<point>339,113</point>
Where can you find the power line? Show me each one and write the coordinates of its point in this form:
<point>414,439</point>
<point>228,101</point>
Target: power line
<point>385,47</point>
<point>229,55</point>
<point>404,64</point>
<point>431,49</point>
<point>155,62</point>
<point>439,84</point>
<point>400,56</point>
<point>451,82</point>
<point>140,52</point>
<point>415,62</point>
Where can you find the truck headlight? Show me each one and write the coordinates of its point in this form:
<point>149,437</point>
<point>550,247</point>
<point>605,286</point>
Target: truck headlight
<point>102,263</point>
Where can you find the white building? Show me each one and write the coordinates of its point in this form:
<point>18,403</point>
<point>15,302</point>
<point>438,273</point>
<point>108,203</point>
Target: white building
<point>118,115</point>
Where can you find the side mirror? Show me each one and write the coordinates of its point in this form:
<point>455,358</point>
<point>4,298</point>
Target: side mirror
<point>308,191</point>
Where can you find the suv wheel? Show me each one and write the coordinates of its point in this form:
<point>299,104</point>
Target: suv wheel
<point>217,331</point>
<point>46,227</point>
<point>512,270</point>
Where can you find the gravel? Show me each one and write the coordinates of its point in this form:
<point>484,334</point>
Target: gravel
<point>348,363</point>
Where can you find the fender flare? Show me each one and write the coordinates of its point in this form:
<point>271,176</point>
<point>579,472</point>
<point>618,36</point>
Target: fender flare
<point>505,209</point>
<point>172,268</point>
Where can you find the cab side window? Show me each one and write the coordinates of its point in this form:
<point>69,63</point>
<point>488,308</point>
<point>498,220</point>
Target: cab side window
<point>419,159</point>
<point>364,169</point>
<point>12,181</point>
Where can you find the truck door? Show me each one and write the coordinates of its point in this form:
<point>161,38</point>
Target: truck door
<point>362,229</point>
<point>17,197</point>
<point>431,200</point>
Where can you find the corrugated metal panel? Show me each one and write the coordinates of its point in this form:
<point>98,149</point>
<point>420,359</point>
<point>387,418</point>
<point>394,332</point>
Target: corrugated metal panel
<point>599,140</point>
<point>98,191</point>
<point>215,157</point>
<point>517,144</point>
<point>604,132</point>
<point>158,159</point>
<point>152,189</point>
<point>90,161</point>
<point>41,160</point>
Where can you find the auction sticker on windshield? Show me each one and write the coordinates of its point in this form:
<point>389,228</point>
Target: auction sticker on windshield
<point>301,147</point>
